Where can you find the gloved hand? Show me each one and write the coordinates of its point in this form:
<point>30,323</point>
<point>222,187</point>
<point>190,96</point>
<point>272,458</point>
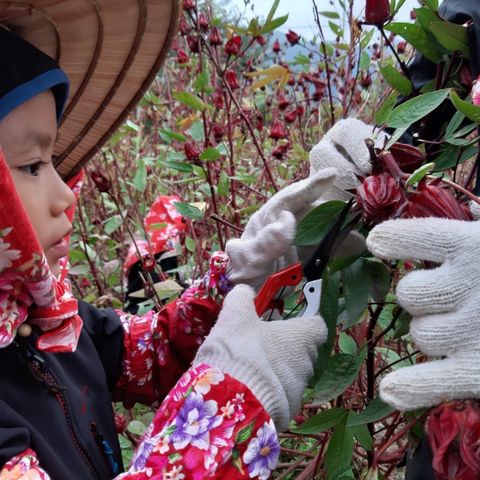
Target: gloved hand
<point>274,359</point>
<point>343,148</point>
<point>444,303</point>
<point>266,245</point>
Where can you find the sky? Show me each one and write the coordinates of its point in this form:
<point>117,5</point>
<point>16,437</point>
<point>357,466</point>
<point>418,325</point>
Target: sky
<point>300,16</point>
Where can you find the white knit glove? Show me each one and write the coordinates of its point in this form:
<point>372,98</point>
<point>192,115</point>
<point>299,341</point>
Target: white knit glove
<point>274,359</point>
<point>444,303</point>
<point>266,245</point>
<point>343,148</point>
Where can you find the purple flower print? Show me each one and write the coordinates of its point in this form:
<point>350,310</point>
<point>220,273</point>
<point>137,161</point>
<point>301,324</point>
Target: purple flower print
<point>262,452</point>
<point>194,421</point>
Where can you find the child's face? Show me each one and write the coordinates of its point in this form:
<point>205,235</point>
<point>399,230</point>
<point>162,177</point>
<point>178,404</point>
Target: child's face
<point>27,136</point>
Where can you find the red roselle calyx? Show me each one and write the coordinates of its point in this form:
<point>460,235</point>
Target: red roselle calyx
<point>203,22</point>
<point>182,57</point>
<point>292,37</point>
<point>191,151</point>
<point>283,102</point>
<point>291,116</point>
<point>408,157</point>
<point>453,432</point>
<point>476,92</point>
<point>101,182</point>
<point>232,80</point>
<point>276,46</point>
<point>189,5</point>
<point>278,131</point>
<point>215,39</point>
<point>380,197</point>
<point>232,47</point>
<point>377,12</point>
<point>435,200</point>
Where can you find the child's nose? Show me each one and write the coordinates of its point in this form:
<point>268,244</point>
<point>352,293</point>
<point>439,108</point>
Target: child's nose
<point>62,196</point>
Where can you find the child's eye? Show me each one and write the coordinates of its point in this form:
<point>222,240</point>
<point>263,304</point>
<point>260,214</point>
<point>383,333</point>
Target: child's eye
<point>33,169</point>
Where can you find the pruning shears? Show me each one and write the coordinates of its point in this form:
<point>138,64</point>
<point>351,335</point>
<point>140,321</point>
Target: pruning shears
<point>312,270</point>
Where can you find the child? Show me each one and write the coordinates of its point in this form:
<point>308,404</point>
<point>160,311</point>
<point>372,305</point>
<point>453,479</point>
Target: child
<point>63,361</point>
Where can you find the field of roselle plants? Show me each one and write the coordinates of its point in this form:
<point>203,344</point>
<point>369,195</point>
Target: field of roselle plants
<point>231,120</point>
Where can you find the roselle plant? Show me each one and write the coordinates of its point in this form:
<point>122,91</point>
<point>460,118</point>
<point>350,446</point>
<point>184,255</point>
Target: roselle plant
<point>229,122</point>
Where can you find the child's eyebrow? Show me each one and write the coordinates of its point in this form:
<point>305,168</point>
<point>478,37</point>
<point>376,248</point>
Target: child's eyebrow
<point>33,138</point>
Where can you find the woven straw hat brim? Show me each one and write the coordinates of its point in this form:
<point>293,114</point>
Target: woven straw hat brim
<point>110,49</point>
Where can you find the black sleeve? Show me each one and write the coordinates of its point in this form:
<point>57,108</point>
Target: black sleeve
<point>13,441</point>
<point>419,463</point>
<point>106,332</point>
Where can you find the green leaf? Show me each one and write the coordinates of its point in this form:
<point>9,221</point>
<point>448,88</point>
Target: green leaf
<point>433,4</point>
<point>167,135</point>
<point>419,174</point>
<point>223,185</point>
<point>395,7</point>
<point>136,427</point>
<point>340,450</point>
<point>341,370</point>
<point>450,157</point>
<point>396,80</point>
<point>210,154</point>
<point>375,411</point>
<point>362,435</point>
<point>190,244</point>
<point>335,28</point>
<point>454,124</point>
<point>112,224</point>
<point>180,166</point>
<point>273,24</point>
<point>383,113</point>
<point>416,108</point>
<point>140,179</point>
<point>318,222</point>
<point>333,15</point>
<point>272,11</point>
<point>347,344</point>
<point>472,112</point>
<point>202,82</point>
<point>367,38</point>
<point>380,276</point>
<point>321,422</point>
<point>425,16</point>
<point>364,61</point>
<point>357,282</point>
<point>133,127</point>
<point>417,37</point>
<point>79,270</point>
<point>189,100</point>
<point>196,131</point>
<point>189,211</point>
<point>402,325</point>
<point>451,36</point>
<point>245,433</point>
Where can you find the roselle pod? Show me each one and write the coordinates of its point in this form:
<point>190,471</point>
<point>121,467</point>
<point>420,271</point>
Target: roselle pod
<point>432,199</point>
<point>408,157</point>
<point>453,430</point>
<point>377,12</point>
<point>379,197</point>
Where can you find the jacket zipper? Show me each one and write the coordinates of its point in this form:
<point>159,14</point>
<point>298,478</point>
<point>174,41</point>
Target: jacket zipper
<point>39,365</point>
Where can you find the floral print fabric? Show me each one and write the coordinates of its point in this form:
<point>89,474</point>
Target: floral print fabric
<point>210,426</point>
<point>160,346</point>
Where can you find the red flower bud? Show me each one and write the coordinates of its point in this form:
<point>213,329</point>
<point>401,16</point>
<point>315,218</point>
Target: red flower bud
<point>283,102</point>
<point>121,422</point>
<point>261,40</point>
<point>232,47</point>
<point>101,182</point>
<point>182,57</point>
<point>232,80</point>
<point>408,157</point>
<point>280,150</point>
<point>189,5</point>
<point>191,151</point>
<point>401,47</point>
<point>292,37</point>
<point>377,12</point>
<point>259,122</point>
<point>433,200</point>
<point>291,116</point>
<point>203,22</point>
<point>300,110</point>
<point>217,100</point>
<point>85,282</point>
<point>192,41</point>
<point>276,46</point>
<point>379,197</point>
<point>218,131</point>
<point>215,39</point>
<point>366,80</point>
<point>291,80</point>
<point>413,14</point>
<point>453,430</point>
<point>184,27</point>
<point>278,131</point>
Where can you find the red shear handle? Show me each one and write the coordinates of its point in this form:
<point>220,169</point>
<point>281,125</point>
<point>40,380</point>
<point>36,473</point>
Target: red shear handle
<point>291,275</point>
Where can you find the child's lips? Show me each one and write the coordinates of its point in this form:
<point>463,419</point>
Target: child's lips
<point>60,248</point>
